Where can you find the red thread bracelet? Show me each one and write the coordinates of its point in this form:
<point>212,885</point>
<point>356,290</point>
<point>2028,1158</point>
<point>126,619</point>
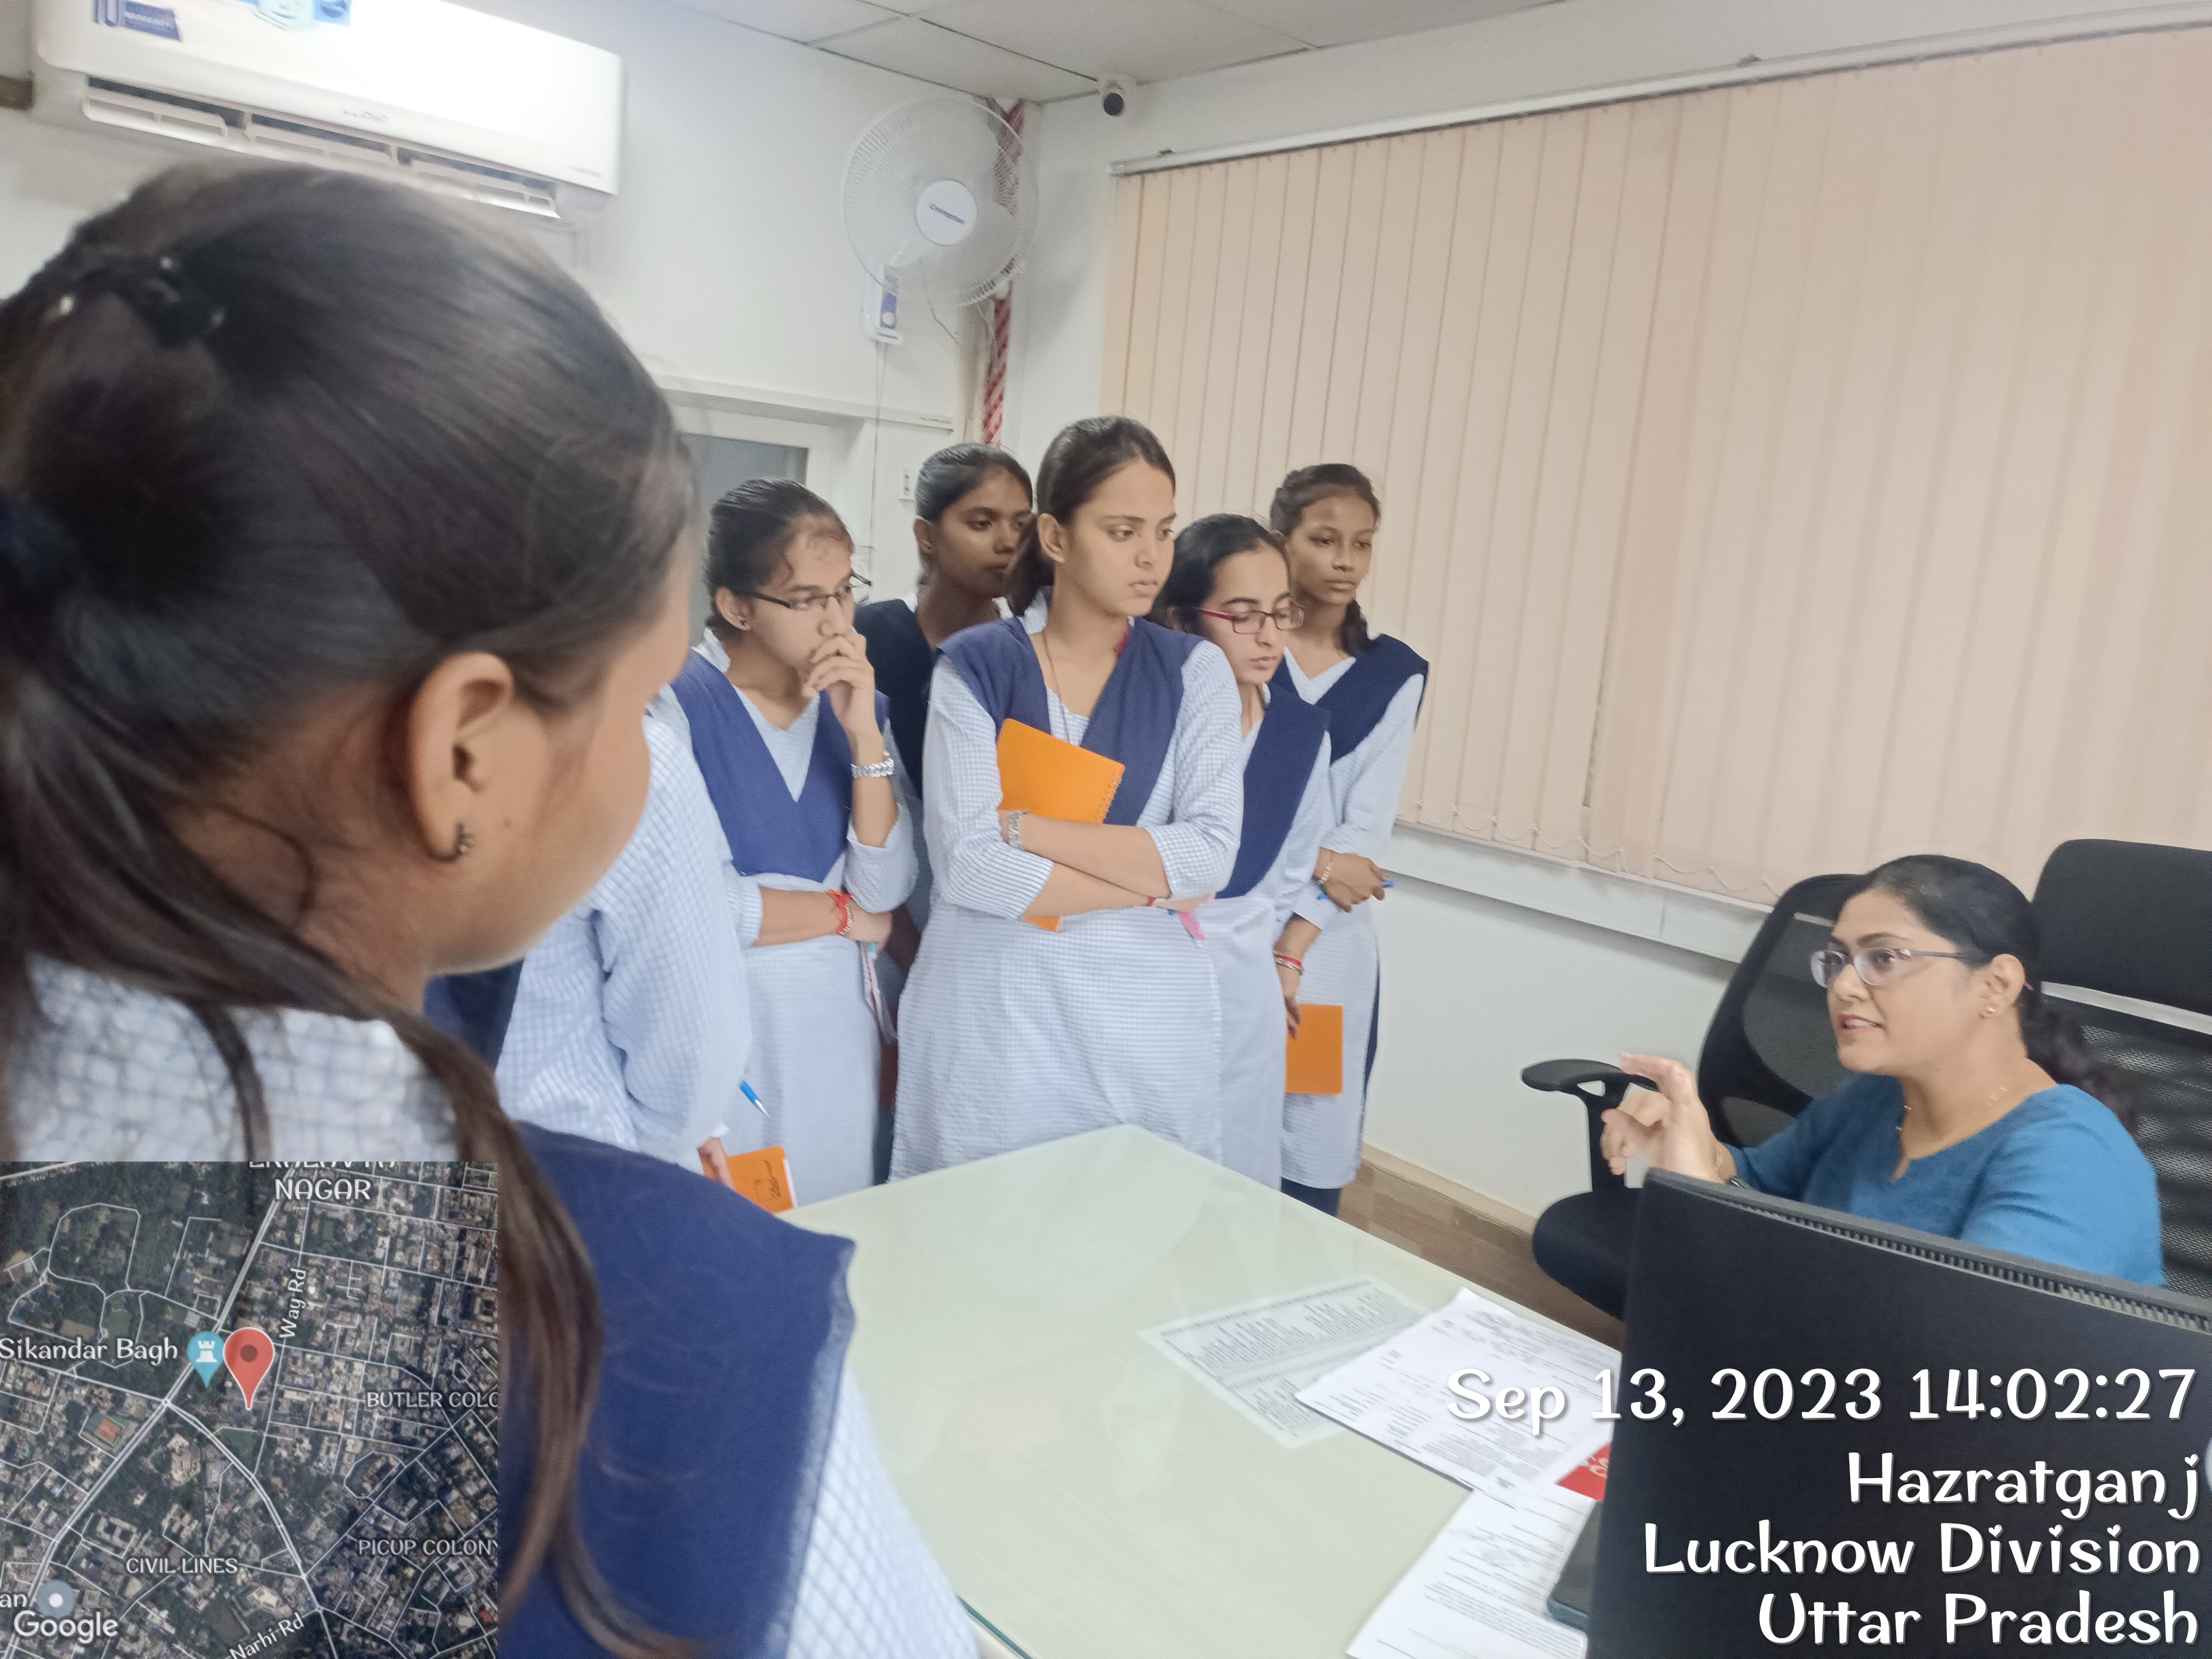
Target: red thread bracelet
<point>843,901</point>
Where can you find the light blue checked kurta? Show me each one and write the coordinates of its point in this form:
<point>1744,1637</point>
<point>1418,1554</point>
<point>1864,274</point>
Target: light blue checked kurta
<point>118,1074</point>
<point>632,1024</point>
<point>1010,1036</point>
<point>817,1055</point>
<point>1241,932</point>
<point>1322,1133</point>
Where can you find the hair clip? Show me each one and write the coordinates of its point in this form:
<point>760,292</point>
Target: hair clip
<point>156,288</point>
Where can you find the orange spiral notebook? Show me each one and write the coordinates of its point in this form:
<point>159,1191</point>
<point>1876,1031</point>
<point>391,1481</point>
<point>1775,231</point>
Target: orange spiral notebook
<point>1315,1058</point>
<point>1039,773</point>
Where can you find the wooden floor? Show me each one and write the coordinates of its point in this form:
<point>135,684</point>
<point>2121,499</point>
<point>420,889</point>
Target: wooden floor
<point>1483,1251</point>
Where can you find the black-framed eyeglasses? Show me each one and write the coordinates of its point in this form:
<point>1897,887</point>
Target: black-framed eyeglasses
<point>1289,616</point>
<point>850,593</point>
<point>1878,964</point>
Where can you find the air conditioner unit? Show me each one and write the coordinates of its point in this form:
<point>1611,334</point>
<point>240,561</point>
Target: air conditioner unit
<point>456,100</point>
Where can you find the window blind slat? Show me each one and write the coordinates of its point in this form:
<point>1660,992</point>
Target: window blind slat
<point>1779,477</point>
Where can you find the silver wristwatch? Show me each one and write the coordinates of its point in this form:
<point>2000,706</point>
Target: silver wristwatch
<point>882,769</point>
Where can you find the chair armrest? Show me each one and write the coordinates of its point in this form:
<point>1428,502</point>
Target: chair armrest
<point>1572,1077</point>
<point>1600,1087</point>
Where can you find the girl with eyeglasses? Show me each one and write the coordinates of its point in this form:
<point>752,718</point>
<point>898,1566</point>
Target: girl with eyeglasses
<point>1978,1113</point>
<point>788,726</point>
<point>1231,585</point>
<point>1013,1035</point>
<point>1371,685</point>
<point>343,546</point>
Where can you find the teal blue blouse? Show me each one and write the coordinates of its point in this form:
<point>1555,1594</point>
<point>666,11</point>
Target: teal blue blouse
<point>2057,1177</point>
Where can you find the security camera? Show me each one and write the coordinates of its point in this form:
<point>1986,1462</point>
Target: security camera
<point>1113,96</point>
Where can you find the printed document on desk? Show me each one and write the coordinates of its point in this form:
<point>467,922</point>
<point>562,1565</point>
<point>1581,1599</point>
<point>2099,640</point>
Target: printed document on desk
<point>1258,1355</point>
<point>1479,1591</point>
<point>1400,1394</point>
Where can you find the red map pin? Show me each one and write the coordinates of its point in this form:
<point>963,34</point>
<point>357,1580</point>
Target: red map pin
<point>249,1353</point>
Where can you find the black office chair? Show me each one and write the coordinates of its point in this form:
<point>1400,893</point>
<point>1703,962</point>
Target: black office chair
<point>1768,1053</point>
<point>2131,919</point>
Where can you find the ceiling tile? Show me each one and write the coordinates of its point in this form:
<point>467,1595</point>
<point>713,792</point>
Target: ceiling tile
<point>1338,22</point>
<point>910,45</point>
<point>796,20</point>
<point>1147,39</point>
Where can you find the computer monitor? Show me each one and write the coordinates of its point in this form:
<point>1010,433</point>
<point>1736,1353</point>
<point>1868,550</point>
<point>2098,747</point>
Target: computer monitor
<point>1851,1415</point>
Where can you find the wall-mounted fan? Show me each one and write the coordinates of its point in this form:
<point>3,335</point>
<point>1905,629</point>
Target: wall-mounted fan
<point>940,200</point>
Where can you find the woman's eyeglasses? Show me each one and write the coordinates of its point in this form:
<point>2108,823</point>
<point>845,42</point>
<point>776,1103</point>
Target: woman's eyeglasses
<point>1289,616</point>
<point>1877,965</point>
<point>806,604</point>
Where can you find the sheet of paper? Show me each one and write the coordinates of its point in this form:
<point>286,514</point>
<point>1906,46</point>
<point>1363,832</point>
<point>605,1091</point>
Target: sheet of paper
<point>1400,1394</point>
<point>1478,1592</point>
<point>1259,1355</point>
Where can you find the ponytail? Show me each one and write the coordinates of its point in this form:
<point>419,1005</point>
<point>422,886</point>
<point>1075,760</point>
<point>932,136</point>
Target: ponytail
<point>1032,573</point>
<point>2054,1041</point>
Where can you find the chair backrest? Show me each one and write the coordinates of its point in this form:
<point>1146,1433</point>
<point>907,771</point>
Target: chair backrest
<point>2133,920</point>
<point>1770,1051</point>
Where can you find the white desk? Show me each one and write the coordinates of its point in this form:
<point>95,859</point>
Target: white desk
<point>1087,1498</point>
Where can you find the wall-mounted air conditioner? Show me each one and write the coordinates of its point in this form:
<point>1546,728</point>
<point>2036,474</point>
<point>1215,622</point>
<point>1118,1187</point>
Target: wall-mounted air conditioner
<point>456,100</point>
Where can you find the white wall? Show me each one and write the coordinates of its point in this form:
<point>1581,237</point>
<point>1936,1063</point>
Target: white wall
<point>1473,989</point>
<point>723,259</point>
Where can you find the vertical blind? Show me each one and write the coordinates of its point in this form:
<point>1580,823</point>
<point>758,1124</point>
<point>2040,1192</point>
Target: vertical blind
<point>1779,477</point>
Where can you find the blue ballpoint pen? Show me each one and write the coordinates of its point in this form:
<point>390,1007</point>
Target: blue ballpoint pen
<point>746,1089</point>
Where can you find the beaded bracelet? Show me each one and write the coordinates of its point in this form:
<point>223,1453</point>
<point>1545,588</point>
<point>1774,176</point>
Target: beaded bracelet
<point>843,901</point>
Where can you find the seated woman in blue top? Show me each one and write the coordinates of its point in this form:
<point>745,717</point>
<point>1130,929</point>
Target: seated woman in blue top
<point>1977,1112</point>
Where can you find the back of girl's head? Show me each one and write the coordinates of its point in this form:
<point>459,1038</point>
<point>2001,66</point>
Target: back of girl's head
<point>1985,914</point>
<point>1200,550</point>
<point>1307,487</point>
<point>751,532</point>
<point>949,475</point>
<point>1084,456</point>
<point>268,434</point>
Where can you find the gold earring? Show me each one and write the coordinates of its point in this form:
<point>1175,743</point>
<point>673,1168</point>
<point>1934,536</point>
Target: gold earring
<point>463,842</point>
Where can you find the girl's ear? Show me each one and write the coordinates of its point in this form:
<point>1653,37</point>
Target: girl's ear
<point>737,612</point>
<point>925,538</point>
<point>2004,978</point>
<point>1052,538</point>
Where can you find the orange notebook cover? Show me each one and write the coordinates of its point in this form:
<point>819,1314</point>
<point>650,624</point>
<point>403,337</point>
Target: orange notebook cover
<point>1039,773</point>
<point>761,1177</point>
<point>1315,1054</point>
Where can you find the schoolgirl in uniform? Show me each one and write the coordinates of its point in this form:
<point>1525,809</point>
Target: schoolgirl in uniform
<point>1231,585</point>
<point>291,728</point>
<point>788,726</point>
<point>1371,685</point>
<point>1013,1035</point>
<point>972,506</point>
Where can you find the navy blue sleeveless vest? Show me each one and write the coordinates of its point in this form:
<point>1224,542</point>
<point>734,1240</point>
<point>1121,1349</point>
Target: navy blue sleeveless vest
<point>726,1338</point>
<point>767,829</point>
<point>474,1008</point>
<point>1357,703</point>
<point>1275,779</point>
<point>1133,721</point>
<point>903,659</point>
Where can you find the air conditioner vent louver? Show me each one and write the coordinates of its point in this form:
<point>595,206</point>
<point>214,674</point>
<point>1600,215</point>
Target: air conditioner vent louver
<point>253,132</point>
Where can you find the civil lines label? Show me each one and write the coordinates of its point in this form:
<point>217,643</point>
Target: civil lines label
<point>248,1411</point>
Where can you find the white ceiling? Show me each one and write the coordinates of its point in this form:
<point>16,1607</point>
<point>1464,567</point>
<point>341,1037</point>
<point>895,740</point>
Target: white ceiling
<point>1047,49</point>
